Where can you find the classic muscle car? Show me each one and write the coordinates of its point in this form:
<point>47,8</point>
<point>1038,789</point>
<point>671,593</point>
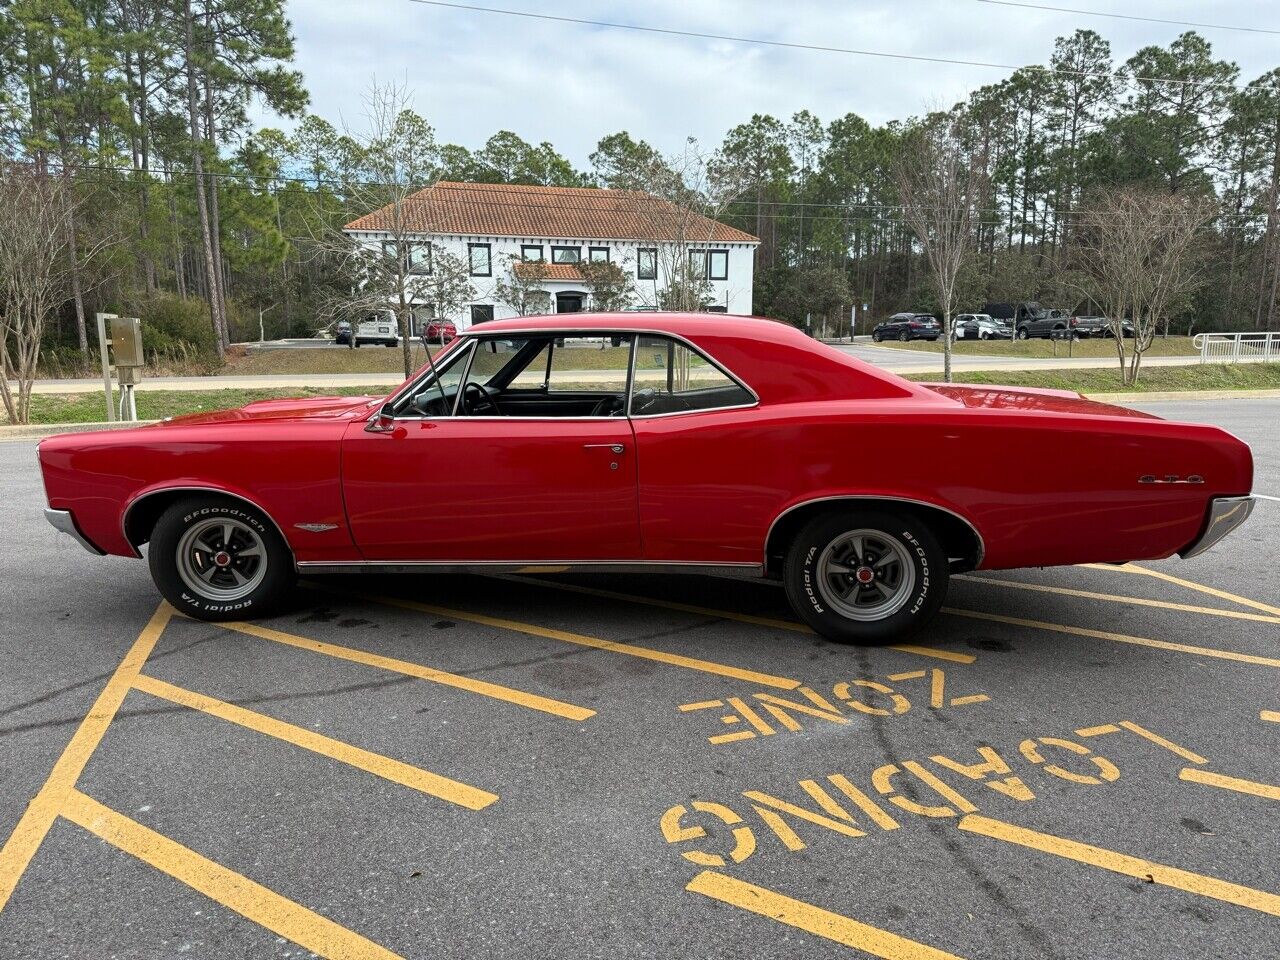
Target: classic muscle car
<point>648,441</point>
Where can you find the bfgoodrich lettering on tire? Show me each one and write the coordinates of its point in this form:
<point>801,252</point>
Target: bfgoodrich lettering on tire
<point>219,559</point>
<point>867,576</point>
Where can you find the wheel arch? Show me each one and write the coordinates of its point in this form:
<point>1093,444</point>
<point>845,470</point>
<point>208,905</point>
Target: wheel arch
<point>958,536</point>
<point>142,512</point>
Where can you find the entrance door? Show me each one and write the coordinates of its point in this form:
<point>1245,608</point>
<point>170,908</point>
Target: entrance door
<point>569,302</point>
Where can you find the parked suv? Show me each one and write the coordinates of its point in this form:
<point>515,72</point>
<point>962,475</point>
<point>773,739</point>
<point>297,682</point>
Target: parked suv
<point>907,326</point>
<point>979,326</point>
<point>1042,323</point>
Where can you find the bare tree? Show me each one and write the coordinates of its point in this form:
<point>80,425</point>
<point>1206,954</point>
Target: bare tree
<point>36,213</point>
<point>521,289</point>
<point>387,167</point>
<point>683,197</point>
<point>940,185</point>
<point>610,285</point>
<point>1134,250</point>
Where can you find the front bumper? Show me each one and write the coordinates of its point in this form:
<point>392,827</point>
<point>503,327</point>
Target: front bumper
<point>1225,514</point>
<point>63,521</point>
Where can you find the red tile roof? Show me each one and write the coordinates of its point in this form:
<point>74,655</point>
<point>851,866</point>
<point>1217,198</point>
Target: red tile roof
<point>505,210</point>
<point>551,271</point>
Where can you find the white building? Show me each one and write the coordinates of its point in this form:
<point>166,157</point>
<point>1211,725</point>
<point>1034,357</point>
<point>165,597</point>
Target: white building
<point>494,227</point>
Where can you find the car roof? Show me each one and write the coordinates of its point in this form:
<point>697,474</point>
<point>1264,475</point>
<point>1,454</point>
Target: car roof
<point>779,362</point>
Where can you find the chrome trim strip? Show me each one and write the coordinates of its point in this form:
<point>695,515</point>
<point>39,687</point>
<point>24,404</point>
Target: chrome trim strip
<point>982,547</point>
<point>64,522</point>
<point>521,566</point>
<point>1222,517</point>
<point>128,507</point>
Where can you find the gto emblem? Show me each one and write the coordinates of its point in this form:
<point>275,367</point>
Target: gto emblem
<point>316,527</point>
<point>1170,478</point>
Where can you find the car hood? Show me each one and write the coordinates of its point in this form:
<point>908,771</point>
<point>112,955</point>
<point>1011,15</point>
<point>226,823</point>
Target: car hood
<point>1031,400</point>
<point>303,408</point>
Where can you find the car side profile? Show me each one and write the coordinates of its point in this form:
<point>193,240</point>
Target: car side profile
<point>979,326</point>
<point>696,442</point>
<point>907,326</point>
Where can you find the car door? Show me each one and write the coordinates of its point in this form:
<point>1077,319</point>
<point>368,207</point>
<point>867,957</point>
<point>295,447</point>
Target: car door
<point>465,484</point>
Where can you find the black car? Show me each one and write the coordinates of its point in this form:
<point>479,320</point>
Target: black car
<point>342,333</point>
<point>907,326</point>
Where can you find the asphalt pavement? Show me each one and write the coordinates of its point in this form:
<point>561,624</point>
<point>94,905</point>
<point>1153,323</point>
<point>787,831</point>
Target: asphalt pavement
<point>1070,763</point>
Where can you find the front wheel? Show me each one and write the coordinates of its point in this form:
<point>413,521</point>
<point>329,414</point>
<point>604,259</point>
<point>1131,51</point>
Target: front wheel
<point>875,337</point>
<point>865,577</point>
<point>218,559</point>
<point>1024,333</point>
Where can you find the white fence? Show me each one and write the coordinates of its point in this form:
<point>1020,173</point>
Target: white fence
<point>1234,347</point>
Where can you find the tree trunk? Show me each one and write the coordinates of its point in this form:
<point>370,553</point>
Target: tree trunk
<point>197,169</point>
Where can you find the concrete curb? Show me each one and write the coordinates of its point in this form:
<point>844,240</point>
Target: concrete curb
<point>38,431</point>
<point>1185,395</point>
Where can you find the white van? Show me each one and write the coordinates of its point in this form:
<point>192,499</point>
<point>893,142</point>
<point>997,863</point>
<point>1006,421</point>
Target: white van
<point>378,328</point>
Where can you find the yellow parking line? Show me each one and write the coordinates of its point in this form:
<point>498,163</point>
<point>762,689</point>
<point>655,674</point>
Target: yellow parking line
<point>1113,598</point>
<point>723,615</point>
<point>631,650</point>
<point>1188,584</point>
<point>496,691</point>
<point>251,900</point>
<point>1117,637</point>
<point>1272,715</point>
<point>43,810</point>
<point>421,780</point>
<point>1124,864</point>
<point>1252,787</point>
<point>1160,741</point>
<point>811,919</point>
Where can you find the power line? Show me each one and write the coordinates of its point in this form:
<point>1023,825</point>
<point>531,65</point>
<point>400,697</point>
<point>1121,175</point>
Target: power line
<point>1127,16</point>
<point>758,41</point>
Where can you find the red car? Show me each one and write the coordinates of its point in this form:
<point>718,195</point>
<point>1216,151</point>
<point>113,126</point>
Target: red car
<point>700,441</point>
<point>439,331</point>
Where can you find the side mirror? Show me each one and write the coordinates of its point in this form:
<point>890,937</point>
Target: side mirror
<point>384,422</point>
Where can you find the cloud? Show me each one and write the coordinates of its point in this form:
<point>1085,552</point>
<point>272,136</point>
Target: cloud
<point>475,73</point>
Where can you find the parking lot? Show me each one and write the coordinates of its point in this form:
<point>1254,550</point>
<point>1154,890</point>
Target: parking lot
<point>1079,762</point>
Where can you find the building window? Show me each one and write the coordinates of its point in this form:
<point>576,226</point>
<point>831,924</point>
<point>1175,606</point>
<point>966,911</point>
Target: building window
<point>646,263</point>
<point>419,258</point>
<point>718,265</point>
<point>531,252</point>
<point>481,265</point>
<point>598,254</point>
<point>566,254</point>
<point>481,313</point>
<point>697,263</point>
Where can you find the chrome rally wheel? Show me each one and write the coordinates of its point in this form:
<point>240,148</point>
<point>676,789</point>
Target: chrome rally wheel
<point>217,558</point>
<point>222,560</point>
<point>866,575</point>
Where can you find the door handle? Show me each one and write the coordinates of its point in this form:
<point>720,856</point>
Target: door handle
<point>611,447</point>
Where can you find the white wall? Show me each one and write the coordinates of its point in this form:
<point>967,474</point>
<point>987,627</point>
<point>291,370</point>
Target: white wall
<point>733,293</point>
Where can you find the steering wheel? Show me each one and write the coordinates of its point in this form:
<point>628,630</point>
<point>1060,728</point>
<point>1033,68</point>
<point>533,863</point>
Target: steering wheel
<point>608,407</point>
<point>483,402</point>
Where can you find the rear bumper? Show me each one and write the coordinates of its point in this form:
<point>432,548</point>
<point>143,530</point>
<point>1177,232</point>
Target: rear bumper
<point>63,521</point>
<point>1225,514</point>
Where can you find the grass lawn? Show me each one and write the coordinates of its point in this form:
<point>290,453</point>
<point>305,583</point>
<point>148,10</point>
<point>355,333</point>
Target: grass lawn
<point>1172,347</point>
<point>156,405</point>
<point>1209,376</point>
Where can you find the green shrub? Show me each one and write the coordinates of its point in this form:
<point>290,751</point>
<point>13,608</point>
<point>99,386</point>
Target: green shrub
<point>171,326</point>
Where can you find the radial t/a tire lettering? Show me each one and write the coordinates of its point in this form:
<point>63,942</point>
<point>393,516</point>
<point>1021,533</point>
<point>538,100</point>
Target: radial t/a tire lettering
<point>214,558</point>
<point>866,577</point>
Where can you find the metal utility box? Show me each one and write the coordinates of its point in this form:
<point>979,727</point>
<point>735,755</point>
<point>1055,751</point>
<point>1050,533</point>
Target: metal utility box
<point>126,342</point>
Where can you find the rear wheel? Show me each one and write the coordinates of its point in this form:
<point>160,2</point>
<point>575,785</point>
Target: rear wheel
<point>904,336</point>
<point>218,559</point>
<point>865,577</point>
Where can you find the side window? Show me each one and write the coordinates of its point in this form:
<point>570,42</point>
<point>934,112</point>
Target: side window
<point>672,377</point>
<point>589,364</point>
<point>434,395</point>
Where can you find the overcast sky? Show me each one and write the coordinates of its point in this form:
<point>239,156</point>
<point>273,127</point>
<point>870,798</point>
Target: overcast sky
<point>475,73</point>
